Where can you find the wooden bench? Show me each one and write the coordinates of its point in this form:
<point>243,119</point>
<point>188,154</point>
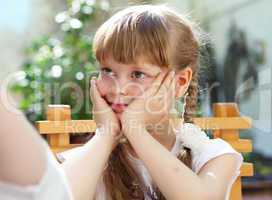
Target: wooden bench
<point>225,124</point>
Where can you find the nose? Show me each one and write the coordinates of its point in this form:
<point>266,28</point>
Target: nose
<point>125,87</point>
<point>120,86</point>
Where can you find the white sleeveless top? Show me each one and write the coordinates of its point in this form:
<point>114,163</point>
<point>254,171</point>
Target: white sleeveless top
<point>216,148</point>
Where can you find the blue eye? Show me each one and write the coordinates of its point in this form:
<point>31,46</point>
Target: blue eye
<point>138,75</point>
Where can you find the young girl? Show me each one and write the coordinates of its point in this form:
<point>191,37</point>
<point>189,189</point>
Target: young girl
<point>148,58</point>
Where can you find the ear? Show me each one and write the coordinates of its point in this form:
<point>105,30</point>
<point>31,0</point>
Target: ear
<point>183,79</point>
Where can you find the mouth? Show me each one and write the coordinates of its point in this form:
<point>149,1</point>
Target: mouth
<point>117,107</point>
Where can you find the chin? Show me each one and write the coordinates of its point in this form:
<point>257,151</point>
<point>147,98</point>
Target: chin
<point>118,115</point>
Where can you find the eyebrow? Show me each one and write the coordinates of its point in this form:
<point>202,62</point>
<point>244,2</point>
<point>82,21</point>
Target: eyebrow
<point>134,68</point>
<point>139,68</point>
<point>142,68</point>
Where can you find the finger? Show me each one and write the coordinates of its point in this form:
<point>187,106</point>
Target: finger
<point>95,94</point>
<point>97,99</point>
<point>92,89</point>
<point>170,79</point>
<point>165,94</point>
<point>172,86</point>
<point>171,97</point>
<point>171,90</point>
<point>166,84</point>
<point>156,84</point>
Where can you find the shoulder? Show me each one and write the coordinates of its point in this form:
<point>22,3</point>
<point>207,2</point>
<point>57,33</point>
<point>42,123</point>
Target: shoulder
<point>220,173</point>
<point>217,150</point>
<point>214,158</point>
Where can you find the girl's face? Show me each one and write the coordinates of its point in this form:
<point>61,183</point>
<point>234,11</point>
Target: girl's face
<point>120,83</point>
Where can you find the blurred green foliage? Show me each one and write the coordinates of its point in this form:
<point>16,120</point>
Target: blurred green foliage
<point>58,67</point>
<point>262,164</point>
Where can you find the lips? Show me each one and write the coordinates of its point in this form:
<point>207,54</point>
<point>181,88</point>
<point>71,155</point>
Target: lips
<point>117,107</point>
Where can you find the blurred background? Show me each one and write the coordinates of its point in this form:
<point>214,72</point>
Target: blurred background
<point>45,44</point>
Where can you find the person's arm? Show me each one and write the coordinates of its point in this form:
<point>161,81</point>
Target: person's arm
<point>211,182</point>
<point>22,155</point>
<point>85,166</point>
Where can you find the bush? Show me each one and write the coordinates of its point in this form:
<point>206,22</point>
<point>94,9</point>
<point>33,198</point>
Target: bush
<point>57,67</point>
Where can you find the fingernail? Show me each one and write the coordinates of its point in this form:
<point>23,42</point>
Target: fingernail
<point>93,79</point>
<point>173,73</point>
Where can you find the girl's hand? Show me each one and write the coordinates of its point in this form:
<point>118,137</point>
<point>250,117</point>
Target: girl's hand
<point>104,117</point>
<point>153,106</point>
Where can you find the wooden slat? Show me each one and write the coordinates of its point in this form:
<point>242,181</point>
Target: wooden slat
<point>242,145</point>
<point>59,149</point>
<point>226,109</point>
<point>236,192</point>
<point>71,126</point>
<point>58,113</point>
<point>247,169</point>
<point>80,126</point>
<point>223,123</point>
<point>229,135</point>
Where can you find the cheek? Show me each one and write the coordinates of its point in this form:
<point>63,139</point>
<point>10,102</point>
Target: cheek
<point>148,83</point>
<point>135,90</point>
<point>140,88</point>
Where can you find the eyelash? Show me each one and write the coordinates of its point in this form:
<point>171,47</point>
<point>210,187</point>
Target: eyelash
<point>104,70</point>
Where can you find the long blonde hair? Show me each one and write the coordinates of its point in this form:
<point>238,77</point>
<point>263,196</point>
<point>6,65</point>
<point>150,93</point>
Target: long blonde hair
<point>158,35</point>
